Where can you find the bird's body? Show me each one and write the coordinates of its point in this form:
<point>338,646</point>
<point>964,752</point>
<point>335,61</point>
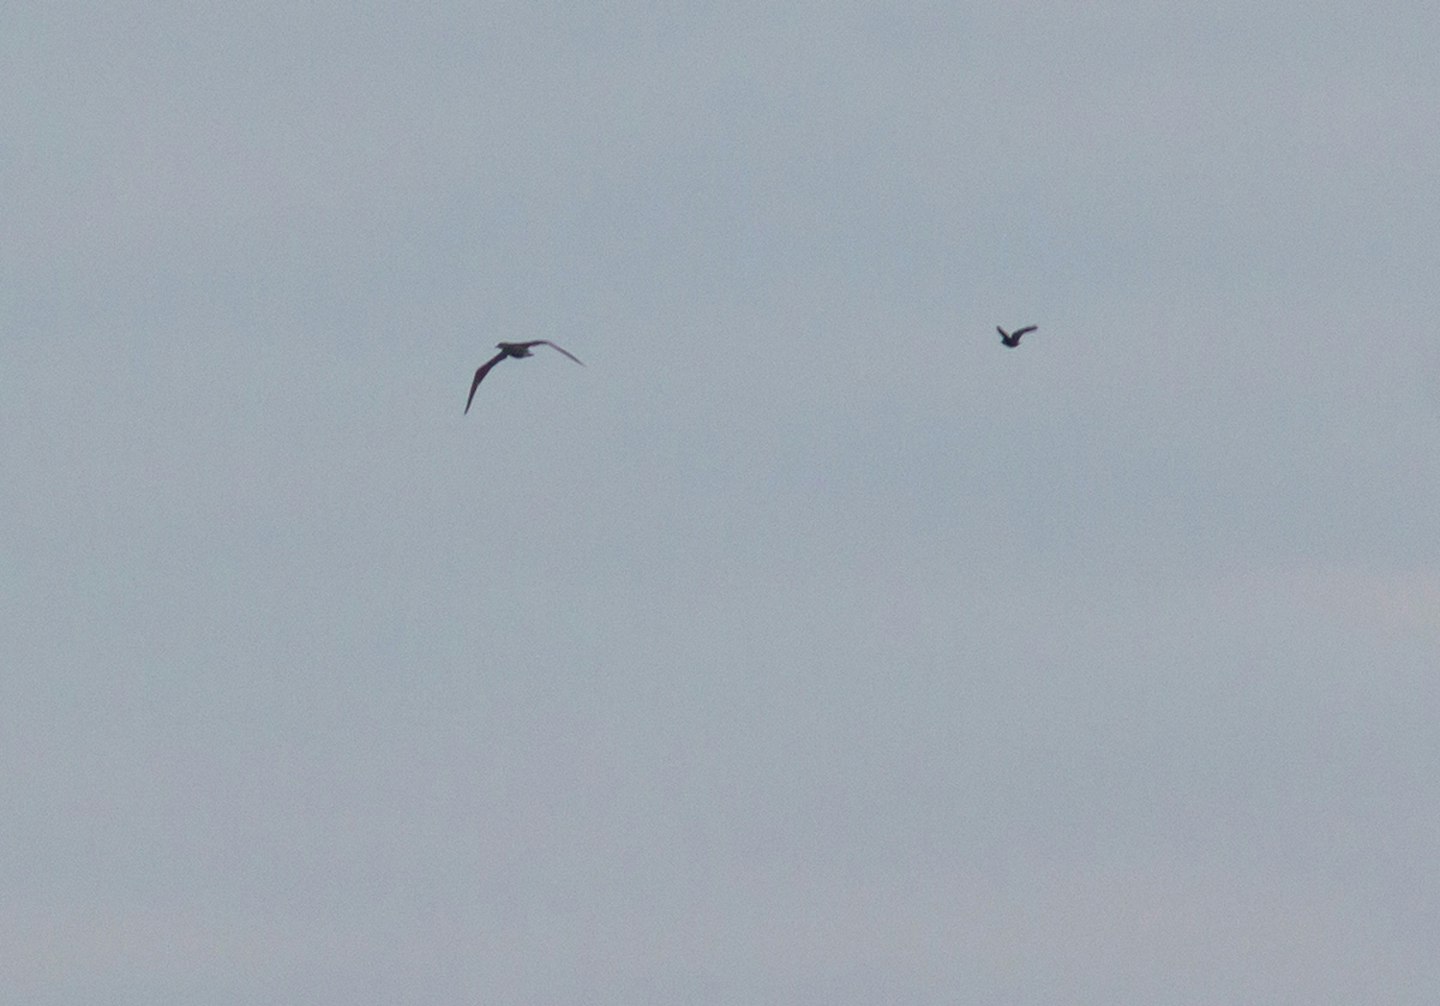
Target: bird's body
<point>1014,340</point>
<point>518,350</point>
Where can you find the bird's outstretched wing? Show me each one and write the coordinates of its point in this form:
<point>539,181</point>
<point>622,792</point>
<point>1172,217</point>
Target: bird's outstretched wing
<point>480,376</point>
<point>1003,334</point>
<point>547,342</point>
<point>1021,331</point>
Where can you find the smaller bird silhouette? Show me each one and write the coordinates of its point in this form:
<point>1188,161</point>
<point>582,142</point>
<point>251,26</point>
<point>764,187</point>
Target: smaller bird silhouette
<point>515,349</point>
<point>1014,340</point>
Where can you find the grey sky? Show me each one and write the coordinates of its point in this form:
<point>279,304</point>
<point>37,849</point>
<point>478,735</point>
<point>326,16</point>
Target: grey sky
<point>805,647</point>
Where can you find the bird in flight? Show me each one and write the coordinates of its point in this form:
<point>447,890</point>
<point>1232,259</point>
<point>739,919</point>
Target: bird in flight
<point>1010,340</point>
<point>515,349</point>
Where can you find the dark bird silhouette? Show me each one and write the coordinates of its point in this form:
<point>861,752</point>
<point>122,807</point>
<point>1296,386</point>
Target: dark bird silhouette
<point>515,349</point>
<point>1012,340</point>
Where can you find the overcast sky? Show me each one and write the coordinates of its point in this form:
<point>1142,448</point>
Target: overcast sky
<point>807,645</point>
